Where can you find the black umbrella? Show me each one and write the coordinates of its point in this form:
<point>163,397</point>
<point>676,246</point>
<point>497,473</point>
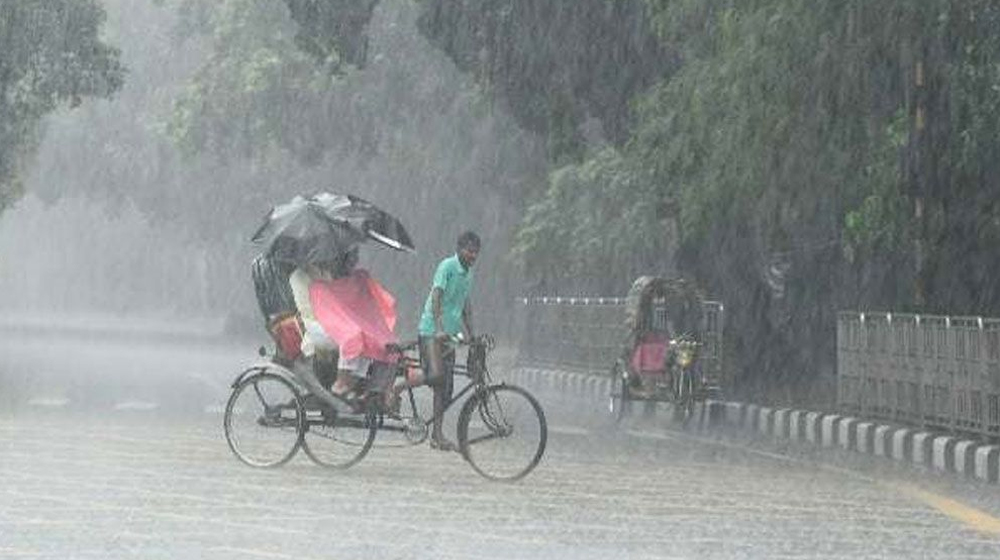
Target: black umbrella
<point>364,216</point>
<point>319,229</point>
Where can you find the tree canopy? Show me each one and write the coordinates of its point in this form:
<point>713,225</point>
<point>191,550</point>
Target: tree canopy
<point>52,55</point>
<point>792,158</point>
<point>227,116</point>
<point>799,157</point>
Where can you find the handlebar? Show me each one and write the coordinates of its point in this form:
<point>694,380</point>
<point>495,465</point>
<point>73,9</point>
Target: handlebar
<point>685,340</point>
<point>485,340</point>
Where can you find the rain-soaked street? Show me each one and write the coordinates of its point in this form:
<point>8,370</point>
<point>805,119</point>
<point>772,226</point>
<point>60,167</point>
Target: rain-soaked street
<point>790,207</point>
<point>143,471</point>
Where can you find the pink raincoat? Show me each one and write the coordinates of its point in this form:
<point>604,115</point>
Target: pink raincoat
<point>357,313</point>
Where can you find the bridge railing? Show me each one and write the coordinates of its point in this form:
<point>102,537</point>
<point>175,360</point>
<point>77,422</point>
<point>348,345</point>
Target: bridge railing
<point>923,370</point>
<point>588,334</point>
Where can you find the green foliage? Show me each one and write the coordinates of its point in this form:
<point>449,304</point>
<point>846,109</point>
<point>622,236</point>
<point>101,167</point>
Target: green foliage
<point>52,55</point>
<point>880,223</point>
<point>554,63</point>
<point>240,101</point>
<point>260,121</point>
<point>959,173</point>
<point>817,155</point>
<point>333,32</point>
<point>759,132</point>
<point>590,223</point>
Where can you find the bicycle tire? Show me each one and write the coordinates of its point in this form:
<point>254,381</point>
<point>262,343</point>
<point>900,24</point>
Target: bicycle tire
<point>273,408</point>
<point>619,405</point>
<point>338,440</point>
<point>489,418</point>
<point>683,406</point>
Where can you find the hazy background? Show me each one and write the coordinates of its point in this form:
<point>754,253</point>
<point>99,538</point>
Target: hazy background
<point>792,160</point>
<point>118,219</point>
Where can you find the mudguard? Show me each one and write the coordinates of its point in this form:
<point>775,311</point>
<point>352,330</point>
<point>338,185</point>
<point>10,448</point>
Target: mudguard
<point>269,367</point>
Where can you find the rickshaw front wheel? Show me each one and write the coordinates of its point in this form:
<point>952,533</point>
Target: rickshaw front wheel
<point>619,404</point>
<point>502,432</point>
<point>683,405</point>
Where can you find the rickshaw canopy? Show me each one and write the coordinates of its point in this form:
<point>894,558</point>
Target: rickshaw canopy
<point>669,305</point>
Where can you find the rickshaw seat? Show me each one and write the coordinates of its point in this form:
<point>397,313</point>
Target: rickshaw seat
<point>287,334</point>
<point>650,353</point>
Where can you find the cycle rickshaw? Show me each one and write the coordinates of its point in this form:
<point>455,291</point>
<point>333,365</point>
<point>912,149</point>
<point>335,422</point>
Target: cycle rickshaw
<point>501,428</point>
<point>672,350</point>
<point>270,415</point>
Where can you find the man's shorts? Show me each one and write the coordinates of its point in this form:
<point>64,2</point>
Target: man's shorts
<point>380,376</point>
<point>447,361</point>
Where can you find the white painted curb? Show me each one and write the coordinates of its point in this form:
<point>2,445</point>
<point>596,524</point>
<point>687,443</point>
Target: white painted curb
<point>764,417</point>
<point>781,424</point>
<point>943,453</point>
<point>812,427</point>
<point>902,442</point>
<point>986,463</point>
<point>882,442</point>
<point>829,430</point>
<point>797,425</point>
<point>922,448</point>
<point>864,437</point>
<point>965,457</point>
<point>847,435</point>
<point>940,452</point>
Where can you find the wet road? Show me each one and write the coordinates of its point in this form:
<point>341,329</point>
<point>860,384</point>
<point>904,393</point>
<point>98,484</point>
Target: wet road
<point>116,451</point>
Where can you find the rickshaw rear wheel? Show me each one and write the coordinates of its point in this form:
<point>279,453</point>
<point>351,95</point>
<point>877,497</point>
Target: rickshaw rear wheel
<point>263,421</point>
<point>339,440</point>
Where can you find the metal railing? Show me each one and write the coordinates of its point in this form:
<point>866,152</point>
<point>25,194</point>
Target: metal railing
<point>923,370</point>
<point>589,334</point>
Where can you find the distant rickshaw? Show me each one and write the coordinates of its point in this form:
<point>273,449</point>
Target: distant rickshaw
<point>673,348</point>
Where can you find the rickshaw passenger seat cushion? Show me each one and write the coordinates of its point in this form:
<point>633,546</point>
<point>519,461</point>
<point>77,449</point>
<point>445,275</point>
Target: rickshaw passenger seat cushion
<point>287,336</point>
<point>650,354</point>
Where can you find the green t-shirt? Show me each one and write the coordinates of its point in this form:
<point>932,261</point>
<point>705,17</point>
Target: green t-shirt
<point>455,282</point>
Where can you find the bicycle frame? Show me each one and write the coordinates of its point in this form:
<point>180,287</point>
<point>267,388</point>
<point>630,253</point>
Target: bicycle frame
<point>405,362</point>
<point>408,361</point>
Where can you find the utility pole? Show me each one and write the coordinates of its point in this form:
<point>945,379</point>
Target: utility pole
<point>919,178</point>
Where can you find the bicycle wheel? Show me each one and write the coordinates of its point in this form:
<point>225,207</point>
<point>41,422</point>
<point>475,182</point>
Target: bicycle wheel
<point>502,432</point>
<point>338,439</point>
<point>684,398</point>
<point>264,420</point>
<point>618,404</point>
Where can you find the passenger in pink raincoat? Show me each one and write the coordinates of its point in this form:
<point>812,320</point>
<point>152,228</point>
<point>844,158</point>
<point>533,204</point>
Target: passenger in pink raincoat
<point>359,315</point>
<point>352,312</point>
